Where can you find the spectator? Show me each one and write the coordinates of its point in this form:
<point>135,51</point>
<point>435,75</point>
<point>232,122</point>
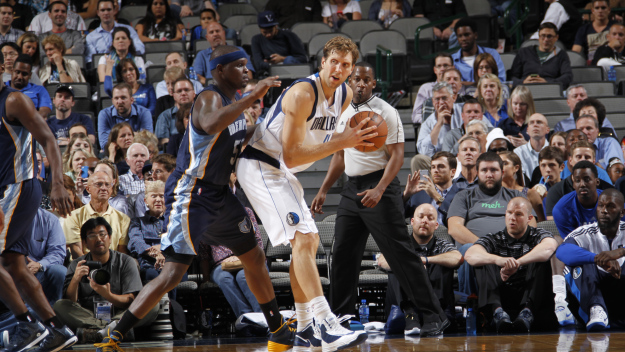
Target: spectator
<point>606,147</point>
<point>611,53</point>
<point>387,11</point>
<point>162,166</point>
<point>512,268</point>
<point>439,123</point>
<point>520,108</point>
<point>166,123</point>
<point>166,101</point>
<point>485,63</point>
<point>471,110</point>
<point>187,8</point>
<point>59,69</point>
<point>77,141</point>
<point>216,36</point>
<point>22,15</point>
<point>442,62</point>
<point>126,70</point>
<point>124,109</point>
<point>149,140</point>
<point>583,150</point>
<point>574,94</point>
<point>254,112</point>
<point>100,40</point>
<point>97,22</point>
<point>80,296</point>
<point>120,138</point>
<point>490,95</point>
<point>566,19</point>
<point>100,187</point>
<point>74,164</point>
<point>558,140</point>
<point>466,31</point>
<point>20,77</point>
<point>10,52</point>
<point>206,17</point>
<point>174,59</point>
<point>73,39</point>
<point>70,187</point>
<point>615,169</point>
<point>542,63</point>
<point>593,34</point>
<point>132,181</point>
<point>469,149</point>
<point>30,46</point>
<point>593,107</point>
<point>436,10</point>
<point>182,121</point>
<point>121,48</point>
<point>512,173</point>
<point>274,46</point>
<point>478,130</point>
<point>290,12</point>
<point>43,21</point>
<point>159,23</point>
<point>337,12</point>
<point>7,32</point>
<point>117,199</point>
<point>496,142</point>
<point>537,128</point>
<point>551,164</point>
<point>452,77</point>
<point>64,117</point>
<point>440,258</point>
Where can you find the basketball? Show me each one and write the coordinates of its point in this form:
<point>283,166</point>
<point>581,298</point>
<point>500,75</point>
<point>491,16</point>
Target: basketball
<point>376,120</point>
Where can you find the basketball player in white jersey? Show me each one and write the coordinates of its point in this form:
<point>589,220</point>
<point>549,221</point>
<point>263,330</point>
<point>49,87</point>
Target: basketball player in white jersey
<point>299,130</point>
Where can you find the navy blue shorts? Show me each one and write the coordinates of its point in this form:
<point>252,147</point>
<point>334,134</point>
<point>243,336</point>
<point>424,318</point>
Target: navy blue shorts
<point>209,214</point>
<point>19,202</point>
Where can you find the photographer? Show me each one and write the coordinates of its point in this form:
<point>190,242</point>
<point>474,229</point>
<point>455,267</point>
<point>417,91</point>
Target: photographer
<point>83,296</point>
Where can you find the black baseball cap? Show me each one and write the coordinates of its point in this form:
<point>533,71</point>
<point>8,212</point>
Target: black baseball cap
<point>65,88</point>
<point>267,19</point>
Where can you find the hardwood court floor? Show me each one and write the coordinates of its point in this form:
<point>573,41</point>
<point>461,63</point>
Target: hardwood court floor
<point>557,342</point>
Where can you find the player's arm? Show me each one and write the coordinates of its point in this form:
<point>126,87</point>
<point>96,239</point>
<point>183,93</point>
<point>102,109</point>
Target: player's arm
<point>395,162</point>
<point>451,259</point>
<point>20,108</point>
<point>297,105</point>
<point>336,169</point>
<point>214,117</point>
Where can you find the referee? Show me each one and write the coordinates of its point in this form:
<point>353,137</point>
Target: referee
<point>371,202</point>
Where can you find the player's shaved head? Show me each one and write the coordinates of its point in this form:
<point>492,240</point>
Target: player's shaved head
<point>613,192</point>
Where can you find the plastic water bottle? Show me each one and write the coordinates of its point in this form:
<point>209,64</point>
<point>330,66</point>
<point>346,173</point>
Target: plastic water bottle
<point>471,323</point>
<point>192,73</point>
<point>141,75</point>
<point>363,311</point>
<point>612,74</point>
<point>184,35</point>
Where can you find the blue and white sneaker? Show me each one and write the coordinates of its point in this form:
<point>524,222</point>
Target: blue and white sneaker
<point>598,320</point>
<point>307,339</point>
<point>26,336</point>
<point>563,313</point>
<point>335,337</point>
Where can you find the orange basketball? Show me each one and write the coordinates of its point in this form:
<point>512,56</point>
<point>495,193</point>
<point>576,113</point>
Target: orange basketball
<point>376,120</point>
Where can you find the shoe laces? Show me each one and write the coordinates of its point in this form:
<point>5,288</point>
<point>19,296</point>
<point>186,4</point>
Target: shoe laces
<point>336,327</point>
<point>525,313</point>
<point>598,311</point>
<point>110,343</point>
<point>501,314</point>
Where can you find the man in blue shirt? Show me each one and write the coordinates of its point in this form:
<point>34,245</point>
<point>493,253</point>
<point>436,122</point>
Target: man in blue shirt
<point>466,31</point>
<point>166,123</point>
<point>578,151</point>
<point>123,110</point>
<point>99,41</point>
<point>216,36</point>
<point>607,148</point>
<point>64,119</point>
<point>22,70</point>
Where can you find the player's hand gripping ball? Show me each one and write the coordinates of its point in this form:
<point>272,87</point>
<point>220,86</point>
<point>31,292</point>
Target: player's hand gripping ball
<point>376,120</point>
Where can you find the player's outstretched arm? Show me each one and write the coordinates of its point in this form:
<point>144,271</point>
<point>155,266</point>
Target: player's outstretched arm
<point>20,108</point>
<point>297,105</point>
<point>214,117</point>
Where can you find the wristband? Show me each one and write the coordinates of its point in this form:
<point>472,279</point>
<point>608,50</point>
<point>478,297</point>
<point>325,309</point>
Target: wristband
<point>426,260</point>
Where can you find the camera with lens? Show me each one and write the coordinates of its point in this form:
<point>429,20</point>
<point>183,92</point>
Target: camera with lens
<point>96,273</point>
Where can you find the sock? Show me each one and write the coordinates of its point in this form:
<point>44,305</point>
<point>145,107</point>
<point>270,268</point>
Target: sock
<point>126,323</point>
<point>304,315</point>
<point>320,307</point>
<point>53,322</point>
<point>559,287</point>
<point>25,317</point>
<point>272,314</point>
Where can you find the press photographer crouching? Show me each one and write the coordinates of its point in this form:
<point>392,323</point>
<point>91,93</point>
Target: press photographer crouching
<point>91,303</point>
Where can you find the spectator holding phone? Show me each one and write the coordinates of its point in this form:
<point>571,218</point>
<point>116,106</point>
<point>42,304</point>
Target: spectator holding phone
<point>73,167</point>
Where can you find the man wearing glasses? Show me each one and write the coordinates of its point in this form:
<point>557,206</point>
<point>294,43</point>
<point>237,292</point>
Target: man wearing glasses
<point>442,62</point>
<point>544,62</point>
<point>594,34</point>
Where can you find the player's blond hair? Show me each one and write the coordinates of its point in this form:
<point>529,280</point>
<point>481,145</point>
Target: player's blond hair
<point>341,45</point>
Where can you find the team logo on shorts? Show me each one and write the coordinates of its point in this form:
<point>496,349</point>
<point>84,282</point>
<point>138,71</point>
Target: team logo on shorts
<point>245,226</point>
<point>577,272</point>
<point>292,219</point>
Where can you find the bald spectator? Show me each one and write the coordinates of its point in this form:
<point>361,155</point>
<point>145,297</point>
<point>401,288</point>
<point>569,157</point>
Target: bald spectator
<point>537,129</point>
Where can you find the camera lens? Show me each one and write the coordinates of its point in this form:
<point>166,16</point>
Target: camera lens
<point>100,276</point>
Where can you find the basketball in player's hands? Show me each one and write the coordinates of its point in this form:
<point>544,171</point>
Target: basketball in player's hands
<point>375,120</point>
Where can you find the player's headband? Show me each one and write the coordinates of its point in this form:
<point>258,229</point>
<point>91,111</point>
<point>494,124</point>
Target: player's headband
<point>226,59</point>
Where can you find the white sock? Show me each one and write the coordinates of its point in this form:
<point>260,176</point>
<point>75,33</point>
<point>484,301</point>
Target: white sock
<point>320,307</point>
<point>304,313</point>
<point>559,287</point>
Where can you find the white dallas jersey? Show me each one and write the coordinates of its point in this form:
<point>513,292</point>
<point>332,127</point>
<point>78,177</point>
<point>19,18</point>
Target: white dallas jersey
<point>320,125</point>
<point>358,163</point>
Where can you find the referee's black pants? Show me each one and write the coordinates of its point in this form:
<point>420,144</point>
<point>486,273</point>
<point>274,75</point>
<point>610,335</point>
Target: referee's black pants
<point>386,223</point>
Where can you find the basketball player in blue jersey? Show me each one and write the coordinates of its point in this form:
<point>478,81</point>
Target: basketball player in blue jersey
<point>20,195</point>
<point>199,204</point>
<point>297,131</point>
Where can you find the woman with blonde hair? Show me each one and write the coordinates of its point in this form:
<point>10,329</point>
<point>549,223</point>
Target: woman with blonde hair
<point>29,43</point>
<point>58,69</point>
<point>74,164</point>
<point>489,94</point>
<point>78,141</point>
<point>520,108</point>
<point>148,139</point>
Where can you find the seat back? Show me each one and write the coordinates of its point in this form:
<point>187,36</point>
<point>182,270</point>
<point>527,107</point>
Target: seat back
<point>357,29</point>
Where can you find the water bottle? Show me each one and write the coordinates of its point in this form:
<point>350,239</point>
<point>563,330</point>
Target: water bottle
<point>471,323</point>
<point>363,312</point>
<point>184,35</point>
<point>192,74</point>
<point>141,75</point>
<point>612,74</point>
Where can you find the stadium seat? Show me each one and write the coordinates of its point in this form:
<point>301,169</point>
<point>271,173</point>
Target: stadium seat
<point>576,59</point>
<point>191,21</point>
<point>554,118</point>
<point>357,29</point>
<point>600,88</point>
<point>83,104</point>
<point>259,5</point>
<point>508,59</point>
<point>545,90</point>
<point>229,10</point>
<point>155,73</point>
<point>130,12</point>
<point>317,42</point>
<point>395,42</point>
<point>291,71</point>
<point>201,45</point>
<point>246,34</point>
<point>105,103</point>
<point>550,105</point>
<point>330,218</point>
<point>442,233</point>
<point>172,45</point>
<point>613,104</point>
<point>238,22</point>
<point>550,226</point>
<point>477,7</point>
<point>583,74</point>
<point>306,30</point>
<point>365,5</point>
<point>157,58</point>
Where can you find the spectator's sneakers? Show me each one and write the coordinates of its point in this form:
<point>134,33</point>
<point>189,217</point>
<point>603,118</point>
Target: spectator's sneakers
<point>413,327</point>
<point>598,319</point>
<point>335,337</point>
<point>282,339</point>
<point>502,322</point>
<point>434,329</point>
<point>110,343</point>
<point>87,335</point>
<point>57,339</point>
<point>564,315</point>
<point>26,336</point>
<point>307,339</point>
<point>524,321</point>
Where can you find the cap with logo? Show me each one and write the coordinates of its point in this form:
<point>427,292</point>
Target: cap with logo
<point>267,19</point>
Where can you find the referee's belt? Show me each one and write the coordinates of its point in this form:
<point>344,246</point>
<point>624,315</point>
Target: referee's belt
<point>368,178</point>
<point>255,154</point>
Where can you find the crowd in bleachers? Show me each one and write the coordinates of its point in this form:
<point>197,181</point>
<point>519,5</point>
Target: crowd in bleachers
<point>116,82</point>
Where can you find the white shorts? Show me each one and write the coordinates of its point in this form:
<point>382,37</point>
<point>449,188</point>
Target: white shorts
<point>278,199</point>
